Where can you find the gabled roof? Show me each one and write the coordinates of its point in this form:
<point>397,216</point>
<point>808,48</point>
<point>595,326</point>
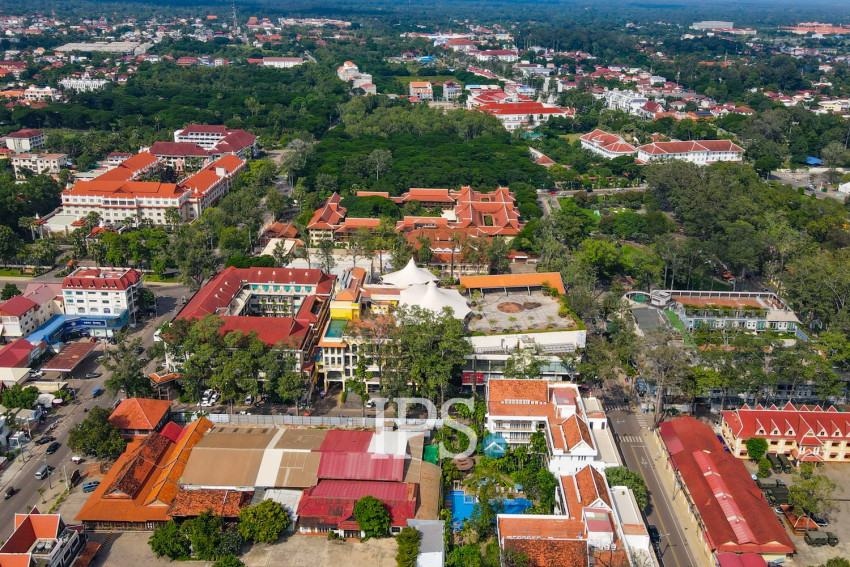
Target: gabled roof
<point>16,354</point>
<point>361,466</point>
<point>139,413</point>
<point>550,552</point>
<point>330,215</point>
<point>17,306</point>
<point>25,134</point>
<point>730,504</point>
<point>178,149</point>
<point>224,503</point>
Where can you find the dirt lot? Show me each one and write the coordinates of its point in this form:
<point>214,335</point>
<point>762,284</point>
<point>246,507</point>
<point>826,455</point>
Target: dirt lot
<point>839,521</point>
<point>296,551</point>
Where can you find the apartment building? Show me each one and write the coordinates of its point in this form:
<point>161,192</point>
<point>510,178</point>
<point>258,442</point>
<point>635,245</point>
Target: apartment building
<point>515,115</point>
<point>102,291</point>
<point>41,540</point>
<point>25,140</point>
<point>23,314</point>
<point>423,90</point>
<point>219,140</point>
<point>38,164</point>
<point>36,94</point>
<point>82,83</point>
<point>282,62</point>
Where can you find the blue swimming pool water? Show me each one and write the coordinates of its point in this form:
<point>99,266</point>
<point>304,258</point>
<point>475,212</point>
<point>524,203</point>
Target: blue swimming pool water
<point>462,505</point>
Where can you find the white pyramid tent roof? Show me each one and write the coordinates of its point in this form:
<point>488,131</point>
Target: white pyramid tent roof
<point>429,296</point>
<point>409,275</point>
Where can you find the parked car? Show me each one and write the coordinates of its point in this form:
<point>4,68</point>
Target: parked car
<point>654,536</point>
<point>816,538</point>
<point>139,350</point>
<point>37,374</point>
<point>91,486</point>
<point>370,403</point>
<point>97,392</point>
<point>76,460</point>
<point>205,403</point>
<point>53,447</point>
<point>9,493</point>
<point>44,439</point>
<point>821,522</point>
<point>93,375</point>
<point>249,399</point>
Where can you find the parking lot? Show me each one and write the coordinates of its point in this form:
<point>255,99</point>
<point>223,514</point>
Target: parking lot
<point>839,521</point>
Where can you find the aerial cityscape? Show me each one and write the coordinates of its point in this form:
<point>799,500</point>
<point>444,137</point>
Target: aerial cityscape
<point>425,284</point>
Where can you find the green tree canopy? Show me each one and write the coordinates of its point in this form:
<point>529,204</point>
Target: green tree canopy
<point>96,436</point>
<point>169,540</point>
<point>623,476</point>
<point>19,397</point>
<point>372,516</point>
<point>756,448</point>
<point>263,522</point>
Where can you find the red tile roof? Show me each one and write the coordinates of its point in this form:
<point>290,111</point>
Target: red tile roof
<point>512,108</point>
<point>139,413</point>
<point>270,330</point>
<point>25,134</point>
<point>178,149</point>
<point>224,503</point>
<point>550,552</point>
<point>103,279</point>
<point>665,148</point>
<point>330,215</point>
<point>17,306</point>
<point>729,502</point>
<point>16,354</point>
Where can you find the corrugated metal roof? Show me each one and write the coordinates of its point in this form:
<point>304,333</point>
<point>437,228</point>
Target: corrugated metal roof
<point>361,466</point>
<point>342,441</point>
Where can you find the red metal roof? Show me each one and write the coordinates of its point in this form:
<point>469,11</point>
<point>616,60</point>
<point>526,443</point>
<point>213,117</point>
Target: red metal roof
<point>105,279</point>
<point>16,354</point>
<point>332,501</point>
<point>345,441</point>
<point>173,149</point>
<point>17,306</point>
<point>361,466</point>
<point>71,356</point>
<point>730,504</point>
<point>25,134</point>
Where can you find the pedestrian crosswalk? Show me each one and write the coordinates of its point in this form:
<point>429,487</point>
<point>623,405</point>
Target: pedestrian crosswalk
<point>629,439</point>
<point>642,420</point>
<point>614,407</point>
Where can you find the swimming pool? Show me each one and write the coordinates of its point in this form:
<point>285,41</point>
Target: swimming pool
<point>462,504</point>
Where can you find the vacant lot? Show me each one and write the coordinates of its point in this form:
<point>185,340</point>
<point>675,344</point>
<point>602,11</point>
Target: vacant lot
<point>299,551</point>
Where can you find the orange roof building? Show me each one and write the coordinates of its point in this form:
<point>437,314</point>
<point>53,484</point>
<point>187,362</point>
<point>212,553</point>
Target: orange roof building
<point>139,488</point>
<point>41,539</point>
<point>140,416</point>
<point>124,191</point>
<point>514,281</point>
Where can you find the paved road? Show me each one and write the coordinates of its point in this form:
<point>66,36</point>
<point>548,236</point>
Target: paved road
<point>631,431</point>
<point>21,474</point>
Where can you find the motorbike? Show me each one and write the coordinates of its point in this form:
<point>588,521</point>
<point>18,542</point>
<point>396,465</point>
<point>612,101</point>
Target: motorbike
<point>9,493</point>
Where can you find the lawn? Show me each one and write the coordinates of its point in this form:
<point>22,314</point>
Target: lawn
<point>432,80</point>
<point>156,278</point>
<point>679,326</point>
<point>13,273</point>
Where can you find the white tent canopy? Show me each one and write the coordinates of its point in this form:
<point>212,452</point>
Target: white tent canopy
<point>434,298</point>
<point>409,275</point>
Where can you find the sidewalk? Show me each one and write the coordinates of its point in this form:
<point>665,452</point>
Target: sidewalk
<point>696,544</point>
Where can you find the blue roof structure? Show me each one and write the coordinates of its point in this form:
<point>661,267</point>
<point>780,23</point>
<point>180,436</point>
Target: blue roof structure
<point>813,161</point>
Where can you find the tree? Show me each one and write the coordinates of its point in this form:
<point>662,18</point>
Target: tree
<point>408,547</point>
<point>10,243</point>
<point>623,476</point>
<point>372,516</point>
<point>19,397</point>
<point>173,217</point>
<point>756,448</point>
<point>275,203</point>
<point>764,467</point>
<point>380,161</point>
<point>664,365</point>
<point>9,291</point>
<point>497,255</point>
<point>96,436</point>
<point>465,556</point>
<point>523,364</point>
<point>263,522</point>
<point>326,254</point>
<point>127,367</point>
<point>204,533</point>
<point>229,543</point>
<point>812,491</point>
<point>169,540</point>
<point>765,165</point>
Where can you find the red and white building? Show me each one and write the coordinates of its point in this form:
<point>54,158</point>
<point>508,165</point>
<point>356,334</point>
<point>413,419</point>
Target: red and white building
<point>515,115</point>
<point>503,55</point>
<point>119,194</point>
<point>576,435</point>
<point>42,539</point>
<point>805,434</point>
<point>282,62</point>
<point>701,152</point>
<point>422,89</point>
<point>38,164</point>
<point>607,145</point>
<point>102,291</point>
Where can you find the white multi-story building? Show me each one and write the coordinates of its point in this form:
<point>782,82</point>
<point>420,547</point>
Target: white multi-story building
<point>83,83</point>
<point>219,140</point>
<point>102,291</point>
<point>38,163</point>
<point>576,430</point>
<point>515,115</point>
<point>25,140</point>
<point>702,152</point>
<point>34,93</point>
<point>282,62</point>
<point>23,314</point>
<point>626,101</point>
<point>606,145</point>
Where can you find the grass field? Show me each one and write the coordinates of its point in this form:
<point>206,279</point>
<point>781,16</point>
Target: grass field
<point>13,273</point>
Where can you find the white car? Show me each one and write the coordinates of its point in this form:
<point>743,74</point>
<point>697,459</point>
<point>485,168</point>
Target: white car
<point>205,403</point>
<point>249,399</point>
<point>215,397</point>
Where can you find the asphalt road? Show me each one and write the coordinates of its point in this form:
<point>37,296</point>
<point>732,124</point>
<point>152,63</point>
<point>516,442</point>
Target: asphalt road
<point>630,430</point>
<point>169,300</point>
